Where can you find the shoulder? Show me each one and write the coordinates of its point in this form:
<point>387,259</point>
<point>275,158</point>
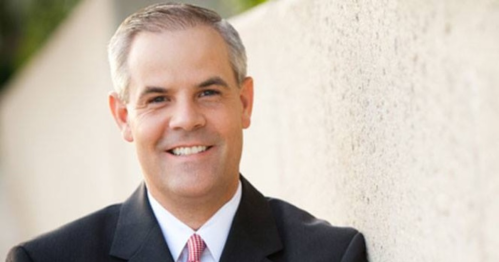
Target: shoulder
<point>303,234</point>
<point>88,236</point>
<point>298,221</point>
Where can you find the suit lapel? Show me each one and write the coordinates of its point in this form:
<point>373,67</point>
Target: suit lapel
<point>252,238</point>
<point>253,235</point>
<point>138,236</point>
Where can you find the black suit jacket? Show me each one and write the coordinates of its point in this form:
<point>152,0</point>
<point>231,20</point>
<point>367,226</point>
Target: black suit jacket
<point>263,230</point>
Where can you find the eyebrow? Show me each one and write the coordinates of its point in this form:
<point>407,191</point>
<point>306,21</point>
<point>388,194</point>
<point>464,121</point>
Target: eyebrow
<point>216,80</point>
<point>152,90</point>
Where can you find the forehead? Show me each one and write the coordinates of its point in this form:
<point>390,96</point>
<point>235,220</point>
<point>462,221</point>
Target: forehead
<point>181,38</point>
<point>170,54</point>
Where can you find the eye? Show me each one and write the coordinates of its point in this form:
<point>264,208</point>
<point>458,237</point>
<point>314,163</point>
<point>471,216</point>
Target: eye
<point>157,99</point>
<point>209,92</point>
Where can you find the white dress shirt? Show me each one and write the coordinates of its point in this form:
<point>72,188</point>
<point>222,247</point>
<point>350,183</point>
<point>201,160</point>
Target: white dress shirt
<point>214,232</point>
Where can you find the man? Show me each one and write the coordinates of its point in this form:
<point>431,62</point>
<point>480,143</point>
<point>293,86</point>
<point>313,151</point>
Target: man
<point>183,97</point>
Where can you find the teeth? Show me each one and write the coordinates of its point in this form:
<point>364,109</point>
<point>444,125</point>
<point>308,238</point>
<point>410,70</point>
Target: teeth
<point>185,151</point>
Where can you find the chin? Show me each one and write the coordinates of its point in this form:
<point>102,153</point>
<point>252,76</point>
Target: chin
<point>191,185</point>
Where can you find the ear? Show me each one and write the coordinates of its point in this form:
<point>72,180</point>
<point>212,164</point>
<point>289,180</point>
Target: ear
<point>246,96</point>
<point>120,114</point>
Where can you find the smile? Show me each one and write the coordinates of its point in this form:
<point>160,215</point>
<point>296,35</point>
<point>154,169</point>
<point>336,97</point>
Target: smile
<point>185,151</point>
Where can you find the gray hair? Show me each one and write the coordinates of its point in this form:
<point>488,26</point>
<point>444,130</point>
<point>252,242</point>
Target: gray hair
<point>169,16</point>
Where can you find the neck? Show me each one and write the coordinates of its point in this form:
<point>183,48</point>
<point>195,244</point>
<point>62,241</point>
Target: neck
<point>195,211</point>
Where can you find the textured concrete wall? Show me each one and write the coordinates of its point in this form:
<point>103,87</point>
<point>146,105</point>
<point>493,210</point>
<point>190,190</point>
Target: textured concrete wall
<point>383,115</point>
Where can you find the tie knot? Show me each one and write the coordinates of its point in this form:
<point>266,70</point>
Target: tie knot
<point>196,246</point>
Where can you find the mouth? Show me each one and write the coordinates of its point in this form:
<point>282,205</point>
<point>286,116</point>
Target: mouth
<point>188,150</point>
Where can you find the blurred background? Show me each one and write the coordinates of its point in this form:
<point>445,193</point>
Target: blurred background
<point>382,115</point>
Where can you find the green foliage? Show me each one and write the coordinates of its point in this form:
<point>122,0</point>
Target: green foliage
<point>251,3</point>
<point>41,18</point>
<point>24,28</point>
<point>242,5</point>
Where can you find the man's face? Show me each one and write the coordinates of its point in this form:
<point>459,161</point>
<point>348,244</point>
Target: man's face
<point>185,113</point>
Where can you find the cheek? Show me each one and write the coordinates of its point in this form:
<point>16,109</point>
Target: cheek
<point>148,130</point>
<point>231,127</point>
<point>228,121</point>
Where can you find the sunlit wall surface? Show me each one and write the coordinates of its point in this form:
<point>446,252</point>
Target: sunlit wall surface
<point>383,115</point>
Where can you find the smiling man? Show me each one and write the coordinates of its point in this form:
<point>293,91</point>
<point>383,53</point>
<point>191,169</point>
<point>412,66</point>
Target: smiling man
<point>183,98</point>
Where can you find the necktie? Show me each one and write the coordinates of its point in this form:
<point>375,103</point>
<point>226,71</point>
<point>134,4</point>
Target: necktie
<point>196,246</point>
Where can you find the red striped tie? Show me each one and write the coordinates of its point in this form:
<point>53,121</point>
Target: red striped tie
<point>196,246</point>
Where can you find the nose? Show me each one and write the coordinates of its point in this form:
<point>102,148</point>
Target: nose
<point>186,116</point>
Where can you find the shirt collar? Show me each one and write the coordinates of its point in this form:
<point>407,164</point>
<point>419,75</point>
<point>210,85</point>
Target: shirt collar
<point>214,232</point>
